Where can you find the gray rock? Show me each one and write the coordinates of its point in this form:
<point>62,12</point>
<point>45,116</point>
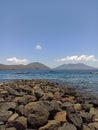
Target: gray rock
<point>36,113</point>
<point>65,105</point>
<point>87,117</point>
<point>74,118</point>
<point>26,99</point>
<point>4,115</point>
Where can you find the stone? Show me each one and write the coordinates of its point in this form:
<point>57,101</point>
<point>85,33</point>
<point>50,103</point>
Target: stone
<point>94,124</point>
<point>56,96</point>
<point>87,106</point>
<point>26,99</point>
<point>86,127</point>
<point>60,116</point>
<point>20,110</point>
<point>20,123</point>
<point>37,114</point>
<point>8,106</point>
<point>51,125</point>
<point>65,105</point>
<point>4,115</point>
<point>11,128</point>
<point>95,113</point>
<point>47,96</point>
<point>67,126</point>
<point>78,107</point>
<point>13,117</point>
<point>74,118</point>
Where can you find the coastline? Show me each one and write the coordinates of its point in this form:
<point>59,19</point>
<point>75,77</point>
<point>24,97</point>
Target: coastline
<point>41,104</point>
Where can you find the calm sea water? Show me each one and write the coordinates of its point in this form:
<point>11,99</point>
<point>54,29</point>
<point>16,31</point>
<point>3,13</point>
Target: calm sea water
<point>82,80</point>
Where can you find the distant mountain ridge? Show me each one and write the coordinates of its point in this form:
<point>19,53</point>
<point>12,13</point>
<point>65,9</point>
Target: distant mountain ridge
<point>78,66</point>
<point>32,66</point>
<point>40,66</point>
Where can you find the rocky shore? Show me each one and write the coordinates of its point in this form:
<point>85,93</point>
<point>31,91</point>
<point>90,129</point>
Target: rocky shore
<point>43,105</point>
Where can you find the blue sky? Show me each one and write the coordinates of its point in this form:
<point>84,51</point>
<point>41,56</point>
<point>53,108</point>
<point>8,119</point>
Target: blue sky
<point>52,32</point>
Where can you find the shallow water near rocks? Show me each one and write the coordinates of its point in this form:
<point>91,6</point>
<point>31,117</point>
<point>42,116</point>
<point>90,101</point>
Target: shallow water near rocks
<point>83,80</point>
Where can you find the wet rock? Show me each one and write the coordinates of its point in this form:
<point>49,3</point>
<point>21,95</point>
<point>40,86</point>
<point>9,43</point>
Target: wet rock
<point>51,125</point>
<point>87,117</point>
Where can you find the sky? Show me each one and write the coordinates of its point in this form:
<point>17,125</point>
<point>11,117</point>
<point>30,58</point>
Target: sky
<point>52,32</point>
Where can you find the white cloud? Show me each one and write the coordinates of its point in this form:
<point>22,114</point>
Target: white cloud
<point>14,60</point>
<point>38,47</point>
<point>81,58</point>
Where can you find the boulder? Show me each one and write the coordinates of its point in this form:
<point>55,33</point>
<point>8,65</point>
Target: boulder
<point>37,114</point>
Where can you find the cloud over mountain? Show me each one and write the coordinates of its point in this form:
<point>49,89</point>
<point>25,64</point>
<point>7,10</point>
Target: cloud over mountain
<point>76,58</point>
<point>15,60</point>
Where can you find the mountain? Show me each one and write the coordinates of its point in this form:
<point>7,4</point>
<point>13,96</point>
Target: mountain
<point>37,66</point>
<point>32,66</point>
<point>78,66</point>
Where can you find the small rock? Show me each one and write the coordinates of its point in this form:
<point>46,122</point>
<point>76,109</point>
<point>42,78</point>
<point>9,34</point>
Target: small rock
<point>13,117</point>
<point>67,126</point>
<point>60,116</point>
<point>65,105</point>
<point>78,107</point>
<point>20,123</point>
<point>51,125</point>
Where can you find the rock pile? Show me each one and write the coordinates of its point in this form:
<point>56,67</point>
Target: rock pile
<point>43,105</point>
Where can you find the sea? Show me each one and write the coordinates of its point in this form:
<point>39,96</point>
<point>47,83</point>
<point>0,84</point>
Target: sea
<point>85,81</point>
